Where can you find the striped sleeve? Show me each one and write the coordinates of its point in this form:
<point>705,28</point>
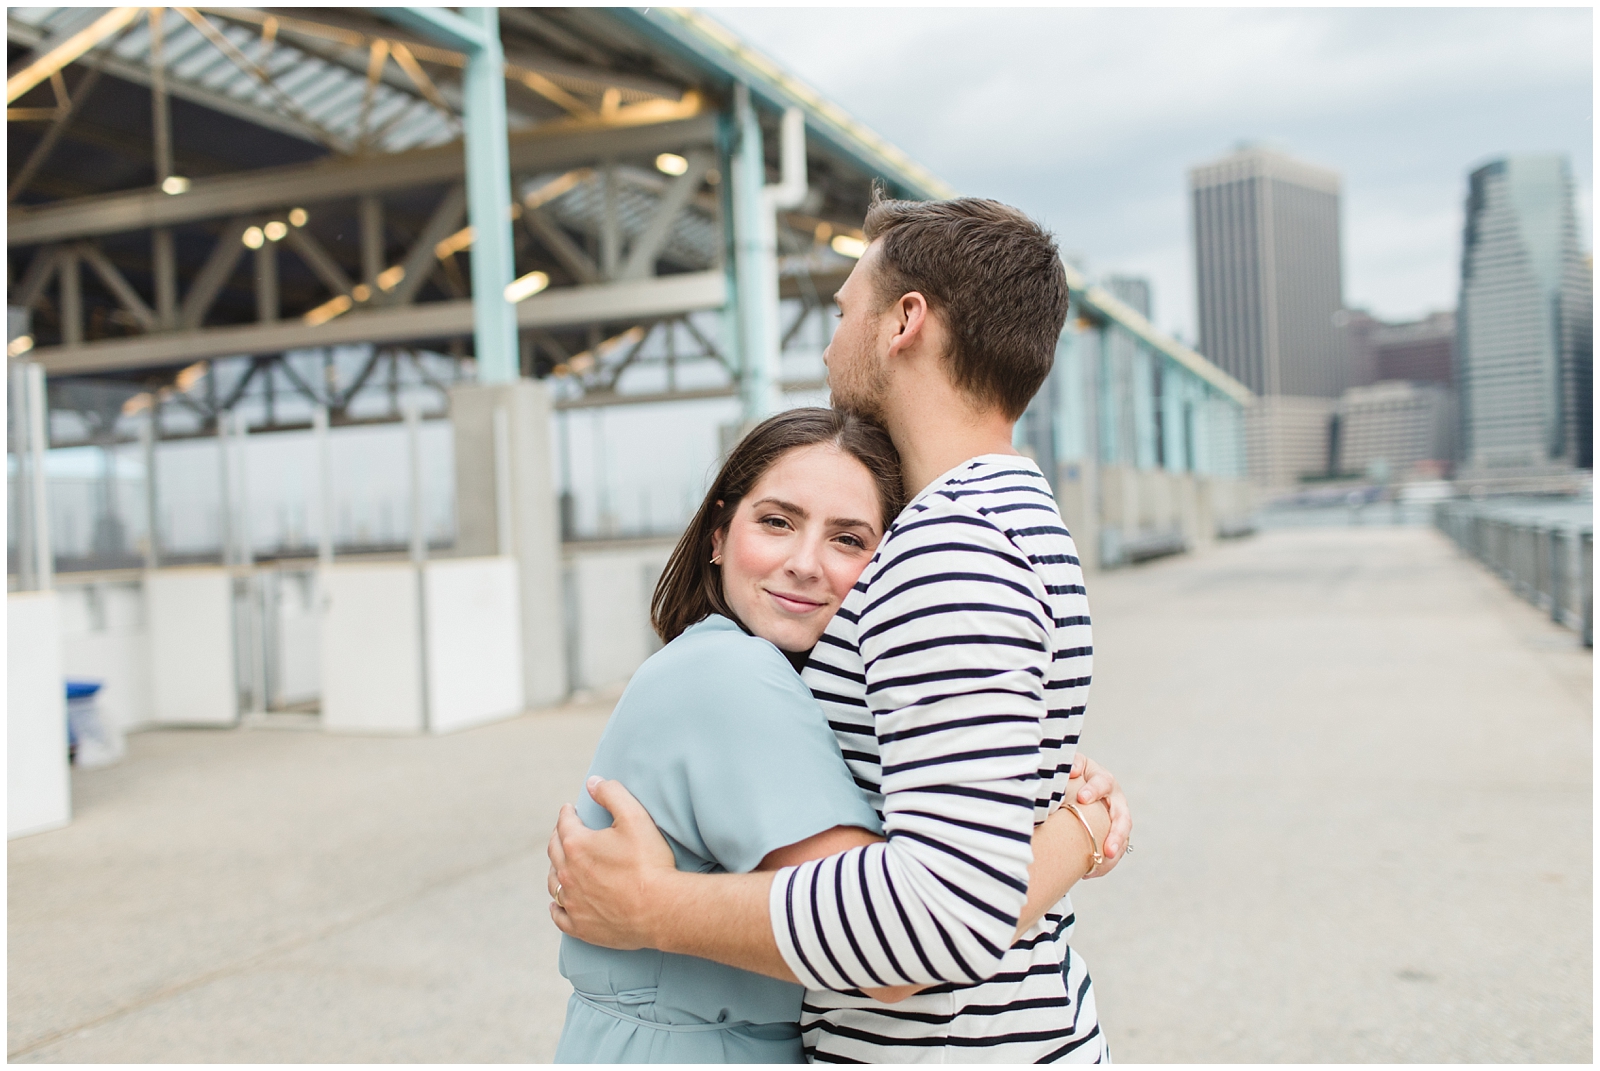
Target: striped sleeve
<point>954,633</point>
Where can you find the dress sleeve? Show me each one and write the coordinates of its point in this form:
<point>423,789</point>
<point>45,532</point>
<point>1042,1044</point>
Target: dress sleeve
<point>764,769</point>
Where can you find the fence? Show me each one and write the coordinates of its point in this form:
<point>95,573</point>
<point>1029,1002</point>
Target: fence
<point>1544,550</point>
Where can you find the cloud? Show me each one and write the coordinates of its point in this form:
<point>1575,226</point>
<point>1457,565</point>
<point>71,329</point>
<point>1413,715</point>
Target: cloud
<point>1091,117</point>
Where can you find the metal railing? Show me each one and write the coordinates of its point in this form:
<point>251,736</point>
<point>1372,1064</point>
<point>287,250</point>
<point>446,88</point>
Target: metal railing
<point>1547,561</point>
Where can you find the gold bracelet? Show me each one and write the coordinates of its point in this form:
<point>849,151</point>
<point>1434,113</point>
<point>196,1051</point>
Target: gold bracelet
<point>1094,845</point>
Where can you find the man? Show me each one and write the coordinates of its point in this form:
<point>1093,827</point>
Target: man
<point>955,676</point>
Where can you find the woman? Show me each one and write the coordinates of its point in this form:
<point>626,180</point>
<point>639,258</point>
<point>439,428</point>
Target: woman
<point>721,742</point>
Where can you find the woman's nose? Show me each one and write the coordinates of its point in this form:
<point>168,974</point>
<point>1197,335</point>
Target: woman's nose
<point>805,562</point>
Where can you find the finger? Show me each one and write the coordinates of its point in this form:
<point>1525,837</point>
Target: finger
<point>1098,783</point>
<point>625,810</point>
<point>552,883</point>
<point>563,921</point>
<point>568,825</point>
<point>1121,825</point>
<point>555,850</point>
<point>1079,763</point>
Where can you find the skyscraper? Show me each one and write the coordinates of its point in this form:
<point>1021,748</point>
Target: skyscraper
<point>1525,352</point>
<point>1269,280</point>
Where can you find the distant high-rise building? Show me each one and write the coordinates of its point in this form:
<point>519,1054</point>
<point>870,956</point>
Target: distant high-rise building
<point>1415,351</point>
<point>1268,271</point>
<point>1397,428</point>
<point>1269,282</point>
<point>1525,351</point>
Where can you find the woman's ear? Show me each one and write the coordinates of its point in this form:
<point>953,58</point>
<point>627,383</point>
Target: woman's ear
<point>718,538</point>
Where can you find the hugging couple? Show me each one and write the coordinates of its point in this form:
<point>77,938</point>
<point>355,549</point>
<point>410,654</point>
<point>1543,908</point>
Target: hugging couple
<point>836,817</point>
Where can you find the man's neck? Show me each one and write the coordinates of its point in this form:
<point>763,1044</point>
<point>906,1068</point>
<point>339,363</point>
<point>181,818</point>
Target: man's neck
<point>934,439</point>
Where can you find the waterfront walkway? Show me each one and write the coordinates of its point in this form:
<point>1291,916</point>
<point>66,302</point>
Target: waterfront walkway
<point>1361,771</point>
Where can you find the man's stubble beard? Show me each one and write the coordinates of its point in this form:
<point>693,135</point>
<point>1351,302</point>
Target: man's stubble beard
<point>862,391</point>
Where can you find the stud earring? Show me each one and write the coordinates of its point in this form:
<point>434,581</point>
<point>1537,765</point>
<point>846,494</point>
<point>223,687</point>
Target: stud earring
<point>717,560</point>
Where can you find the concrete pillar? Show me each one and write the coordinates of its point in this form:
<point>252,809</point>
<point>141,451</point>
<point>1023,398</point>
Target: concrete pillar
<point>1077,493</point>
<point>535,537</point>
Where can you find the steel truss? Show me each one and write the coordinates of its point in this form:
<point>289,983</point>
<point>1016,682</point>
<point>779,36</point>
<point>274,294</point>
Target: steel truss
<point>620,204</point>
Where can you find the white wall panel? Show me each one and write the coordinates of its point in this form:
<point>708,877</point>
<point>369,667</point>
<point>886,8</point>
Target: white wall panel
<point>474,642</point>
<point>371,648</point>
<point>189,618</point>
<point>38,787</point>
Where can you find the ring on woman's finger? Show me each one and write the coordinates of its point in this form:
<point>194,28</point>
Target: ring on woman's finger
<point>558,896</point>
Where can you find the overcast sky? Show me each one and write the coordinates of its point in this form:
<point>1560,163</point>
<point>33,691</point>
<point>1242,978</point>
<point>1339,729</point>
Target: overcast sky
<point>1089,118</point>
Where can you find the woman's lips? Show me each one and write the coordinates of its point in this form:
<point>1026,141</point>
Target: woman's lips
<point>794,603</point>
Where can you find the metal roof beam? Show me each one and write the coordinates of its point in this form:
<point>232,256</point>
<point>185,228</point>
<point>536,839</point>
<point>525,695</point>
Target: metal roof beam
<point>606,302</point>
<point>648,245</point>
<point>179,86</point>
<point>331,180</point>
<point>64,48</point>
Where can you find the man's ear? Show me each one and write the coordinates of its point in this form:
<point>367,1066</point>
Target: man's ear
<point>911,312</point>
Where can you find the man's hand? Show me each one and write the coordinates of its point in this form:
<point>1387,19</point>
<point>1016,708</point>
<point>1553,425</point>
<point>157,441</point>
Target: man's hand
<point>1100,785</point>
<point>600,879</point>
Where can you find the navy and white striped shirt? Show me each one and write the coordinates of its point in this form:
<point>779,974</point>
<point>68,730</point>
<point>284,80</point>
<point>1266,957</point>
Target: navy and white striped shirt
<point>955,677</point>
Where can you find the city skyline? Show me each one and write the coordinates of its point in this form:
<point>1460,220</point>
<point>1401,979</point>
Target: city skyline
<point>1090,118</point>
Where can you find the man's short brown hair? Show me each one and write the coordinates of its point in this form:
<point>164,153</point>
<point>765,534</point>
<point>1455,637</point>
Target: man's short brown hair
<point>993,274</point>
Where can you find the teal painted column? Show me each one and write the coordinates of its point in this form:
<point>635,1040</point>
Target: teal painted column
<point>1107,397</point>
<point>1142,385</point>
<point>730,322</point>
<point>476,32</point>
<point>755,265</point>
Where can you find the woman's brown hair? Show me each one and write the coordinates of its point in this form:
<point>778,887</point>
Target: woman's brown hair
<point>690,588</point>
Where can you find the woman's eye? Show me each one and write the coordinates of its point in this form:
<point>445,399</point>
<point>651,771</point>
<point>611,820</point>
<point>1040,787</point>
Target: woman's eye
<point>853,542</point>
<point>775,522</point>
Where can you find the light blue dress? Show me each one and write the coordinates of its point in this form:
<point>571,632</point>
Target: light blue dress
<point>725,747</point>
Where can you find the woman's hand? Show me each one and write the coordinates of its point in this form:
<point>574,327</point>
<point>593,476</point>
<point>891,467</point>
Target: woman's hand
<point>1100,786</point>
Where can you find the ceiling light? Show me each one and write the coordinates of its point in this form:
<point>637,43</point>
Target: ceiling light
<point>190,376</point>
<point>848,246</point>
<point>253,237</point>
<point>389,278</point>
<point>533,197</point>
<point>298,217</point>
<point>276,230</point>
<point>670,163</point>
<point>458,241</point>
<point>19,345</point>
<point>526,286</point>
<point>174,184</point>
<point>361,292</point>
<point>138,403</point>
<point>328,310</point>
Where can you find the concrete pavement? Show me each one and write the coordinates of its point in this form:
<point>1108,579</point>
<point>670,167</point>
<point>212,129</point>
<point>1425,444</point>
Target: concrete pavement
<point>1361,772</point>
<point>1362,778</point>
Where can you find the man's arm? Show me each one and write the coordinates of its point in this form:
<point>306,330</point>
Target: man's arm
<point>619,887</point>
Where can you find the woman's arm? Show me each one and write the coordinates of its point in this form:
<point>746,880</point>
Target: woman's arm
<point>820,846</point>
<point>1062,855</point>
<point>1059,843</point>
